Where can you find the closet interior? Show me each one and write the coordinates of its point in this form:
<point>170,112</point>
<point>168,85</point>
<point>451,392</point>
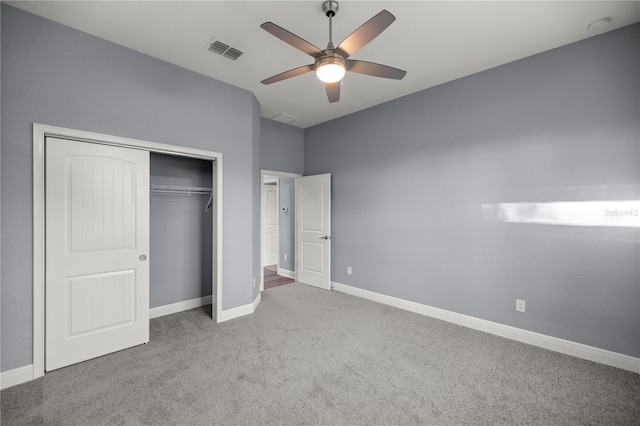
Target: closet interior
<point>181,229</point>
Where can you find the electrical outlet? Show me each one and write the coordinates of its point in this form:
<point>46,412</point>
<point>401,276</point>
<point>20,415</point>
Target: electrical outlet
<point>349,270</point>
<point>520,305</point>
<point>254,282</point>
<point>285,257</point>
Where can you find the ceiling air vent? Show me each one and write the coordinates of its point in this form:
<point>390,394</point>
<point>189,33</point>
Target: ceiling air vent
<point>284,118</point>
<point>225,50</point>
<point>232,53</point>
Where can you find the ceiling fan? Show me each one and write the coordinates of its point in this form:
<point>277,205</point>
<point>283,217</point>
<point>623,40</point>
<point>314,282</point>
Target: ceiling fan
<point>332,63</point>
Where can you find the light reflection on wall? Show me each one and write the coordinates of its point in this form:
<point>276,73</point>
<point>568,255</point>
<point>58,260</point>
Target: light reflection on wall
<point>574,213</point>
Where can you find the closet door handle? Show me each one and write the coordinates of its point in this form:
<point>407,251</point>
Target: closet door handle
<point>142,258</point>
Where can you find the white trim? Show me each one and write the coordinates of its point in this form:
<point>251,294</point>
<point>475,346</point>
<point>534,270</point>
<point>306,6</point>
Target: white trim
<point>16,376</point>
<point>173,308</point>
<point>567,347</point>
<point>40,132</point>
<point>286,273</point>
<point>243,310</point>
<point>80,135</point>
<point>278,174</point>
<point>256,302</point>
<point>38,251</point>
<point>217,236</point>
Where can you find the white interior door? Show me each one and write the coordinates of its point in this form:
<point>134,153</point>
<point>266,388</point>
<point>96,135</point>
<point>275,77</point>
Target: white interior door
<point>314,230</point>
<point>270,224</point>
<point>97,243</point>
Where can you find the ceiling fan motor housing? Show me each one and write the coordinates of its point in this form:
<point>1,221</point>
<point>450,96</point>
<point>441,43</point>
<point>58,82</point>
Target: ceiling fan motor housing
<point>331,57</point>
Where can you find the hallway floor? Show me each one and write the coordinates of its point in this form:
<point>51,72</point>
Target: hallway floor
<point>272,279</point>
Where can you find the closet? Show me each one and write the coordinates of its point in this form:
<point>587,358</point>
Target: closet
<point>181,243</point>
<point>124,230</point>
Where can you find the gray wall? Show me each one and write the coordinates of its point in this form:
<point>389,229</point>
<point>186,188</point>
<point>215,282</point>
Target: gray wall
<point>0,173</point>
<point>181,251</point>
<point>410,177</point>
<point>282,147</point>
<point>282,150</point>
<point>56,75</point>
<point>286,189</point>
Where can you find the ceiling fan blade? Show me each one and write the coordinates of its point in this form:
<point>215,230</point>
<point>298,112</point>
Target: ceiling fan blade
<point>376,70</point>
<point>292,39</point>
<point>365,33</point>
<point>333,91</point>
<point>288,74</point>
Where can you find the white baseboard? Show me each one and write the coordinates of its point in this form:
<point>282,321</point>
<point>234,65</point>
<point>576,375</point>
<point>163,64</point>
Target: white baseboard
<point>286,273</point>
<point>257,301</point>
<point>241,311</point>
<point>567,347</point>
<point>173,308</point>
<point>16,376</point>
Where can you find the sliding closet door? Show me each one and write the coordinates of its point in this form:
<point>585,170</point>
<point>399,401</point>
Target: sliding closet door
<point>97,243</point>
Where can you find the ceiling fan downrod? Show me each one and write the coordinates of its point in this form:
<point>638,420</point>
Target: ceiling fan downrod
<point>330,8</point>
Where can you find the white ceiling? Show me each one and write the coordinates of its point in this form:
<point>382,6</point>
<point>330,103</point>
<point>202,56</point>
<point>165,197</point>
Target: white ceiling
<point>433,41</point>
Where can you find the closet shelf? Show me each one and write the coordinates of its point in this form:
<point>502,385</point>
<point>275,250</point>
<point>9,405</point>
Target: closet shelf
<point>185,190</point>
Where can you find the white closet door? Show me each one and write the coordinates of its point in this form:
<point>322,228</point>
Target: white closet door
<point>97,243</point>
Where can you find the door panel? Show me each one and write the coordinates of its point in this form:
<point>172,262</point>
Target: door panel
<point>314,230</point>
<point>97,243</point>
<point>100,301</point>
<point>313,259</point>
<point>101,211</point>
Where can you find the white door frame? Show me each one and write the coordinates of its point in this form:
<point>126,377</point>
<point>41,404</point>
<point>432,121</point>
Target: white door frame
<point>40,132</point>
<point>264,172</point>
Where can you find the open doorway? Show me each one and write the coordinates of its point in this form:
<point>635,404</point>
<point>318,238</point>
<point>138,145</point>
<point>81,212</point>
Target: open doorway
<point>278,203</point>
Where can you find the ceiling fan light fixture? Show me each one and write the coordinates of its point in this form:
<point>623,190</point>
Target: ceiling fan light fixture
<point>330,73</point>
<point>331,64</point>
<point>330,69</point>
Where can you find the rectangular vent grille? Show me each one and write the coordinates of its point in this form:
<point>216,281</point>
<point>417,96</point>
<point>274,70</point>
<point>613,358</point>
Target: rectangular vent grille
<point>225,50</point>
<point>284,118</point>
<point>218,47</point>
<point>232,53</point>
